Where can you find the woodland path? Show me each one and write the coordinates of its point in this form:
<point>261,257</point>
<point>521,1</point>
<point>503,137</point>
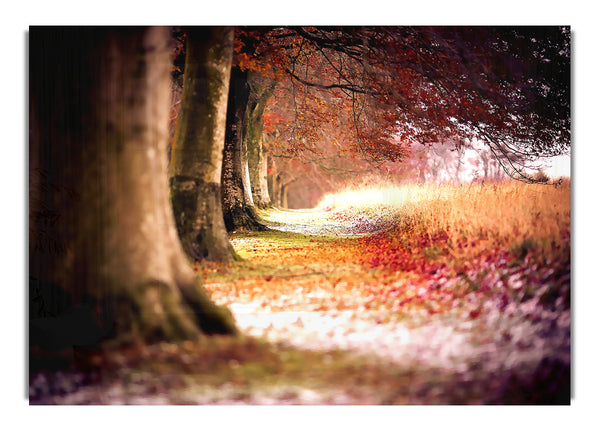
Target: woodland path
<point>325,305</point>
<point>321,327</point>
<point>436,343</point>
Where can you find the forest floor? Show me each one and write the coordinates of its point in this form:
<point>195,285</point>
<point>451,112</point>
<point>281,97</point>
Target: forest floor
<point>371,304</point>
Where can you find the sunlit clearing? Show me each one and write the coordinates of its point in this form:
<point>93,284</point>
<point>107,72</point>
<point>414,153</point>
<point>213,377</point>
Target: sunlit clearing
<point>285,217</point>
<point>317,221</point>
<point>377,196</point>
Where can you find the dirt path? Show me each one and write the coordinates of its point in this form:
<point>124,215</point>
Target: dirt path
<point>322,223</point>
<point>515,342</point>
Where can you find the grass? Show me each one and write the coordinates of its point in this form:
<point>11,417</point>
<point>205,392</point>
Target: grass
<point>523,218</point>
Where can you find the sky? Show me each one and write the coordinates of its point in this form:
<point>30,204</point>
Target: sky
<point>559,167</point>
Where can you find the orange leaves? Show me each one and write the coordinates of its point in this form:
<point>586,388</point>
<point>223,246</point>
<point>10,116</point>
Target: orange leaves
<point>247,62</point>
<point>244,61</point>
<point>271,121</point>
<point>399,250</point>
<point>426,261</point>
<point>238,44</point>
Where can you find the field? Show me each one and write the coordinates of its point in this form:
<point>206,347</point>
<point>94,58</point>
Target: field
<point>450,294</point>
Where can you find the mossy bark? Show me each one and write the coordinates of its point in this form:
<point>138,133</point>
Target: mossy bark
<point>260,92</point>
<point>238,209</point>
<point>104,257</point>
<point>197,154</point>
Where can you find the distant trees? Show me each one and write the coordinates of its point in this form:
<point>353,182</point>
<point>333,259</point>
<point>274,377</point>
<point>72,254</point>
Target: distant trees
<point>461,162</point>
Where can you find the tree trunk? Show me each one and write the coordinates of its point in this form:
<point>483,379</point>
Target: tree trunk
<point>272,181</point>
<point>284,195</point>
<point>104,257</point>
<point>257,158</point>
<point>275,188</point>
<point>249,201</point>
<point>238,209</point>
<point>197,156</point>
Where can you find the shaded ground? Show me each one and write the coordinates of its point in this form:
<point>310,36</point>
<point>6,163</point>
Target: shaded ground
<point>324,324</point>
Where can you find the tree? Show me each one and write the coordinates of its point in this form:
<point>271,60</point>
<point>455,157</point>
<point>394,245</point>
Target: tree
<point>260,91</point>
<point>244,155</point>
<point>104,256</point>
<point>506,86</point>
<point>238,205</point>
<point>197,154</point>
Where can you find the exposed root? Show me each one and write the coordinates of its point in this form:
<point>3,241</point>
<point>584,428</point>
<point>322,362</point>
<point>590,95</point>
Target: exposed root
<point>162,315</point>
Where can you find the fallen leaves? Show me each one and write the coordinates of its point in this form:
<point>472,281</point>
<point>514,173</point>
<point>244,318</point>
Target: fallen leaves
<point>510,298</point>
<point>427,316</point>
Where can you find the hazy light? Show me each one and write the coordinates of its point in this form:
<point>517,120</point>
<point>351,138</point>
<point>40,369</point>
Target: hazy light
<point>559,166</point>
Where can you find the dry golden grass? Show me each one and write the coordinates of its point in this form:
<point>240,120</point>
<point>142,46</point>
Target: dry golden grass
<point>510,215</point>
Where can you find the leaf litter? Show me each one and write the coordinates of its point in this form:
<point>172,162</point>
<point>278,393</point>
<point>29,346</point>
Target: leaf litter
<point>343,306</point>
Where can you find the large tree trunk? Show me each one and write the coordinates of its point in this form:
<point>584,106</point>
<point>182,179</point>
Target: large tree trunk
<point>260,92</point>
<point>197,155</point>
<point>238,209</point>
<point>105,260</point>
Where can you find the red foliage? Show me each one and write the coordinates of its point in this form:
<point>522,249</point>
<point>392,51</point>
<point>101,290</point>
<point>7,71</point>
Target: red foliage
<point>380,251</point>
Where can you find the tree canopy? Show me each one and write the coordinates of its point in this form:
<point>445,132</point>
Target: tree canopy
<point>391,87</point>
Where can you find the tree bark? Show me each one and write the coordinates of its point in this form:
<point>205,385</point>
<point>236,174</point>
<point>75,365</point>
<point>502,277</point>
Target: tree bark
<point>238,209</point>
<point>284,195</point>
<point>274,188</point>
<point>249,201</point>
<point>104,257</point>
<point>260,92</point>
<point>197,156</point>
<point>279,182</point>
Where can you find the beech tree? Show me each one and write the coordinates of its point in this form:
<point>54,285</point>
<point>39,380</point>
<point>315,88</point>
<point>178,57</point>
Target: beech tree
<point>104,256</point>
<point>238,207</point>
<point>260,92</point>
<point>244,174</point>
<point>197,154</point>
